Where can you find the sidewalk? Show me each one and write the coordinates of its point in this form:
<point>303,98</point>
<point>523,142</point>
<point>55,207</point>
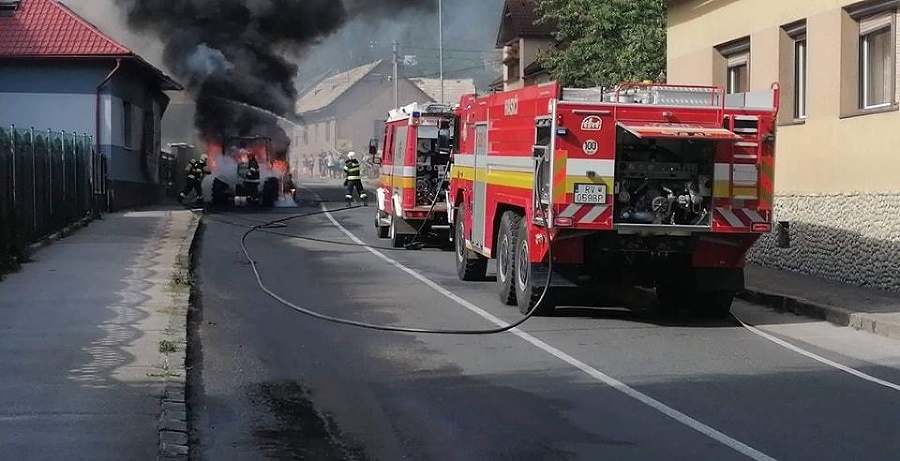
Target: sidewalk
<point>865,309</point>
<point>84,328</point>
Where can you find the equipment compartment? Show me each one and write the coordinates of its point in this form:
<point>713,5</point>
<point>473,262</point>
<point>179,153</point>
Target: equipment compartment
<point>666,181</point>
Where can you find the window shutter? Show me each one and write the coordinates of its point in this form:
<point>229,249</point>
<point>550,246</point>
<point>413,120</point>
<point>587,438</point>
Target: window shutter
<point>875,23</point>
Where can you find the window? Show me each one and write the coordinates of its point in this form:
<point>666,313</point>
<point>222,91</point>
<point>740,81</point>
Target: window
<point>127,125</point>
<point>737,58</point>
<point>799,68</point>
<point>876,61</point>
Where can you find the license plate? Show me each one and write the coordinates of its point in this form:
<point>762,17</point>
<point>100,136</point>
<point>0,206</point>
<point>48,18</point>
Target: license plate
<point>590,193</point>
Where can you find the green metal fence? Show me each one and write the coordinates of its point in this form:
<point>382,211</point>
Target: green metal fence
<point>47,181</point>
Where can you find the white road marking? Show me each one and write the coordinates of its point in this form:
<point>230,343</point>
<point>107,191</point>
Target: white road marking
<point>819,358</point>
<point>587,369</point>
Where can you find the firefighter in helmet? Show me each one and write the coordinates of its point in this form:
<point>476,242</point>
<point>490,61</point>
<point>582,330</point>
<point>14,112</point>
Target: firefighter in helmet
<point>353,179</point>
<point>195,171</point>
<point>251,178</point>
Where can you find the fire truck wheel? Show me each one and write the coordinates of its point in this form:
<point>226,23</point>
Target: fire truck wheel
<point>713,305</point>
<point>671,297</point>
<point>397,240</point>
<point>470,266</point>
<point>382,231</point>
<point>527,293</point>
<point>507,241</point>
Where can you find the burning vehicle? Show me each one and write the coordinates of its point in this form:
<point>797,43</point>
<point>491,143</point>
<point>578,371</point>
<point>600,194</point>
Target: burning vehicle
<point>230,161</point>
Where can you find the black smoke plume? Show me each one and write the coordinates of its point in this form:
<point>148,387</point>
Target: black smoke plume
<point>231,54</point>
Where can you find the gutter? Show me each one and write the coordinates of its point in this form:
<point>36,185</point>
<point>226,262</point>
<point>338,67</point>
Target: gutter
<point>99,138</point>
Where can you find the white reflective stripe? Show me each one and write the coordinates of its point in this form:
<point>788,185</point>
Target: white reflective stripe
<point>511,162</point>
<point>746,144</point>
<point>593,214</point>
<point>732,218</point>
<point>581,166</point>
<point>570,211</point>
<point>464,159</point>
<point>746,175</point>
<point>753,215</point>
<point>746,156</point>
<point>722,172</point>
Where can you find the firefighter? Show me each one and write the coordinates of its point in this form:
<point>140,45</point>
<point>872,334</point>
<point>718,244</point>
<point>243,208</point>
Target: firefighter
<point>251,178</point>
<point>195,172</point>
<point>353,179</point>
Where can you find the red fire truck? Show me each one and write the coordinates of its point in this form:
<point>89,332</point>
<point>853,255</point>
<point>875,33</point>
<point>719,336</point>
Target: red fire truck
<point>414,162</point>
<point>649,185</point>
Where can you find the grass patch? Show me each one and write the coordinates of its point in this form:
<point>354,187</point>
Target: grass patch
<point>167,347</point>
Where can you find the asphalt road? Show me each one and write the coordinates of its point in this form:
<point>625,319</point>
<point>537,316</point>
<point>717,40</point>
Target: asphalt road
<point>593,382</point>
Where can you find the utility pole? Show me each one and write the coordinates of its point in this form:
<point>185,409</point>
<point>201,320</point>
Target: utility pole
<point>396,75</point>
<point>441,45</point>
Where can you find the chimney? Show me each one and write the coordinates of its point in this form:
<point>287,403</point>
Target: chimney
<point>8,8</point>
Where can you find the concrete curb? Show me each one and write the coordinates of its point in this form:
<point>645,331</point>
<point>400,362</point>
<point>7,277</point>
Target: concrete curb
<point>173,418</point>
<point>887,325</point>
<point>56,236</point>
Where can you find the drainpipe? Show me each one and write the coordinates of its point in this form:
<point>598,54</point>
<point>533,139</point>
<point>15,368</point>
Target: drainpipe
<point>98,138</point>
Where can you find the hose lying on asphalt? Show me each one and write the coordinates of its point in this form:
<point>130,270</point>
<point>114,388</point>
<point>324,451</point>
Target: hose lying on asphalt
<point>266,226</point>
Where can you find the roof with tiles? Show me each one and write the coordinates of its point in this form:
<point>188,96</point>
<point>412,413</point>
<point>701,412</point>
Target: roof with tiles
<point>47,28</point>
<point>520,20</point>
<point>454,89</point>
<point>329,90</point>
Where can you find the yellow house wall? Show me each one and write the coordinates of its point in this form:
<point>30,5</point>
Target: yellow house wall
<point>836,177</point>
<point>827,154</point>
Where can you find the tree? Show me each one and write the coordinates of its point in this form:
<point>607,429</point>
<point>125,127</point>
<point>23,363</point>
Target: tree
<point>605,42</point>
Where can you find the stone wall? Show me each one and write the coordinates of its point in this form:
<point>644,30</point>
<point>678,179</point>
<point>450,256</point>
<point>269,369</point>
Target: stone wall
<point>850,238</point>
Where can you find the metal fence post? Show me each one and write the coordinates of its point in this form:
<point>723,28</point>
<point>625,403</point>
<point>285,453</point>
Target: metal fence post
<point>48,165</point>
<point>62,155</point>
<point>34,223</point>
<point>12,133</point>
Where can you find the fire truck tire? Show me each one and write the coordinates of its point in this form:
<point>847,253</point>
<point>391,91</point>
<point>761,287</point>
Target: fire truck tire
<point>507,242</point>
<point>713,305</point>
<point>397,240</point>
<point>382,231</point>
<point>527,292</point>
<point>470,266</point>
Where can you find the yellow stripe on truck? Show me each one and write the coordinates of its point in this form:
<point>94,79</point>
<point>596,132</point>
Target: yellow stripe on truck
<point>722,189</point>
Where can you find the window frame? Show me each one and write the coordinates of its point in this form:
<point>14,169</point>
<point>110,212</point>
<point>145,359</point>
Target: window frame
<point>127,125</point>
<point>801,75</point>
<point>868,27</point>
<point>737,54</point>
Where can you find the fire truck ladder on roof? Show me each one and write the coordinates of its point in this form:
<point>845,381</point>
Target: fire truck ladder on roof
<point>650,94</point>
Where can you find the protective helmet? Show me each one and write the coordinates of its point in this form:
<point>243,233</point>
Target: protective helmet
<point>204,158</point>
<point>351,154</point>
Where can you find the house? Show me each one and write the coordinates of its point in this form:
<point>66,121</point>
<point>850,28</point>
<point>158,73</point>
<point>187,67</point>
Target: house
<point>345,111</point>
<point>59,72</point>
<point>836,61</point>
<point>522,39</point>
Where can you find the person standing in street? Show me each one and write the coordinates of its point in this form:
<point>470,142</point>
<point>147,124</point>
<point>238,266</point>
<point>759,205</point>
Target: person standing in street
<point>251,178</point>
<point>353,180</point>
<point>194,172</point>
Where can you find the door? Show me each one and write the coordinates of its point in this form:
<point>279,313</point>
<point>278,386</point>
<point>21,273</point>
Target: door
<point>480,185</point>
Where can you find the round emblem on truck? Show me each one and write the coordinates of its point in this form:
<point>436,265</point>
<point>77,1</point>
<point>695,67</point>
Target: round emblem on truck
<point>590,147</point>
<point>592,123</point>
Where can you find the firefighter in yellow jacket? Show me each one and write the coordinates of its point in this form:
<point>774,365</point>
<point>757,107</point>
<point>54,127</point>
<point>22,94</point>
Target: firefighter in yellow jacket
<point>353,180</point>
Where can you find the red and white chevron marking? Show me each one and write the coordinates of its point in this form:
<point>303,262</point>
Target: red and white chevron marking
<point>739,217</point>
<point>586,214</point>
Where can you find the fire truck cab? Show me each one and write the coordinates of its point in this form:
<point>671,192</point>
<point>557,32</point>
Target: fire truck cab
<point>414,160</point>
<point>649,185</point>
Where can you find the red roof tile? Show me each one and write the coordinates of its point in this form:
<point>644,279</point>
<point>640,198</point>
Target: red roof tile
<point>46,28</point>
